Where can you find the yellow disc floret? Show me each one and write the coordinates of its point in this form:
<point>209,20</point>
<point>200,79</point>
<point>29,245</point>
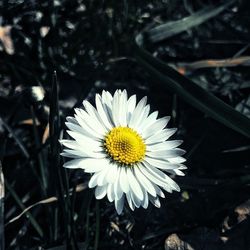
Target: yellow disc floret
<point>125,145</point>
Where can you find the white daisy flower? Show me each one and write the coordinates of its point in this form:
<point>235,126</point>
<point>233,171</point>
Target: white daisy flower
<point>126,149</point>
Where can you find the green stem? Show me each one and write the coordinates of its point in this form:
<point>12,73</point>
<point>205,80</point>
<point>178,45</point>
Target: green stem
<point>28,214</point>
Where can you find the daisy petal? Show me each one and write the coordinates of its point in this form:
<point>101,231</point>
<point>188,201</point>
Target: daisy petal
<point>163,177</point>
<point>95,117</point>
<point>157,126</point>
<point>178,159</point>
<point>130,203</point>
<point>117,189</point>
<point>123,180</point>
<point>135,118</point>
<point>92,165</point>
<point>81,130</point>
<point>110,192</point>
<point>171,153</point>
<point>115,108</point>
<point>119,204</point>
<point>100,192</point>
<point>164,165</point>
<point>131,107</point>
<point>163,135</point>
<point>112,175</point>
<point>155,179</point>
<point>145,182</point>
<point>155,201</point>
<point>93,180</point>
<point>145,201</point>
<point>149,121</point>
<point>134,185</point>
<point>164,145</point>
<point>105,118</point>
<point>83,140</point>
<point>135,200</point>
<point>73,163</point>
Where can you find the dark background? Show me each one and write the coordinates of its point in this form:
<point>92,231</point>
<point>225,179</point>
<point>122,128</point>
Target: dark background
<point>91,46</point>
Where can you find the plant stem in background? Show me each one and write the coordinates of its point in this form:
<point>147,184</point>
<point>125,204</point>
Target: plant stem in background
<point>1,208</point>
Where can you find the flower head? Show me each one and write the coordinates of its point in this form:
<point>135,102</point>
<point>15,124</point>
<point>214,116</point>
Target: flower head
<point>126,149</point>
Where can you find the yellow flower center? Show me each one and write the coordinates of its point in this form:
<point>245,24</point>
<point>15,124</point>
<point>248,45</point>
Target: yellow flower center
<point>125,145</point>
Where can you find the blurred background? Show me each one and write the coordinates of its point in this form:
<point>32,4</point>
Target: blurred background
<point>191,58</point>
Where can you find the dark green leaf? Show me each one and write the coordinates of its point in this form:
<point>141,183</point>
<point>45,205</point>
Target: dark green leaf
<point>170,29</point>
<point>193,94</point>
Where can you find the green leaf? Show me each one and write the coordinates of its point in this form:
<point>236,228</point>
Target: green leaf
<point>29,216</point>
<point>170,29</point>
<point>193,94</point>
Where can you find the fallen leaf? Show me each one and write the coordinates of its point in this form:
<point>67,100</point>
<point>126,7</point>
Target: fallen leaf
<point>45,134</point>
<point>5,38</point>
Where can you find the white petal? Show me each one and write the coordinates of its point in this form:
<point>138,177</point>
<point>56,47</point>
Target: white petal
<point>73,163</point>
<point>159,191</point>
<point>154,178</point>
<point>175,172</point>
<point>129,199</point>
<point>102,180</point>
<point>144,181</point>
<point>131,106</point>
<point>145,201</point>
<point>94,169</point>
<point>95,117</point>
<point>164,165</point>
<point>163,135</point>
<point>156,126</point>
<point>137,112</point>
<point>116,109</point>
<point>178,170</point>
<point>163,177</point>
<point>117,189</point>
<point>100,192</point>
<point>183,167</point>
<point>155,201</point>
<point>90,121</point>
<point>81,139</point>
<point>72,144</point>
<point>143,116</point>
<point>123,181</point>
<point>134,185</point>
<point>171,153</point>
<point>80,154</point>
<point>71,119</point>
<point>136,201</point>
<point>112,174</point>
<point>149,121</point>
<point>103,114</point>
<point>107,101</point>
<point>119,204</point>
<point>110,192</point>
<point>123,108</point>
<point>164,145</point>
<point>93,180</point>
<point>94,165</point>
<point>68,154</point>
<point>74,153</point>
<point>178,159</point>
<point>81,130</point>
<point>107,98</point>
